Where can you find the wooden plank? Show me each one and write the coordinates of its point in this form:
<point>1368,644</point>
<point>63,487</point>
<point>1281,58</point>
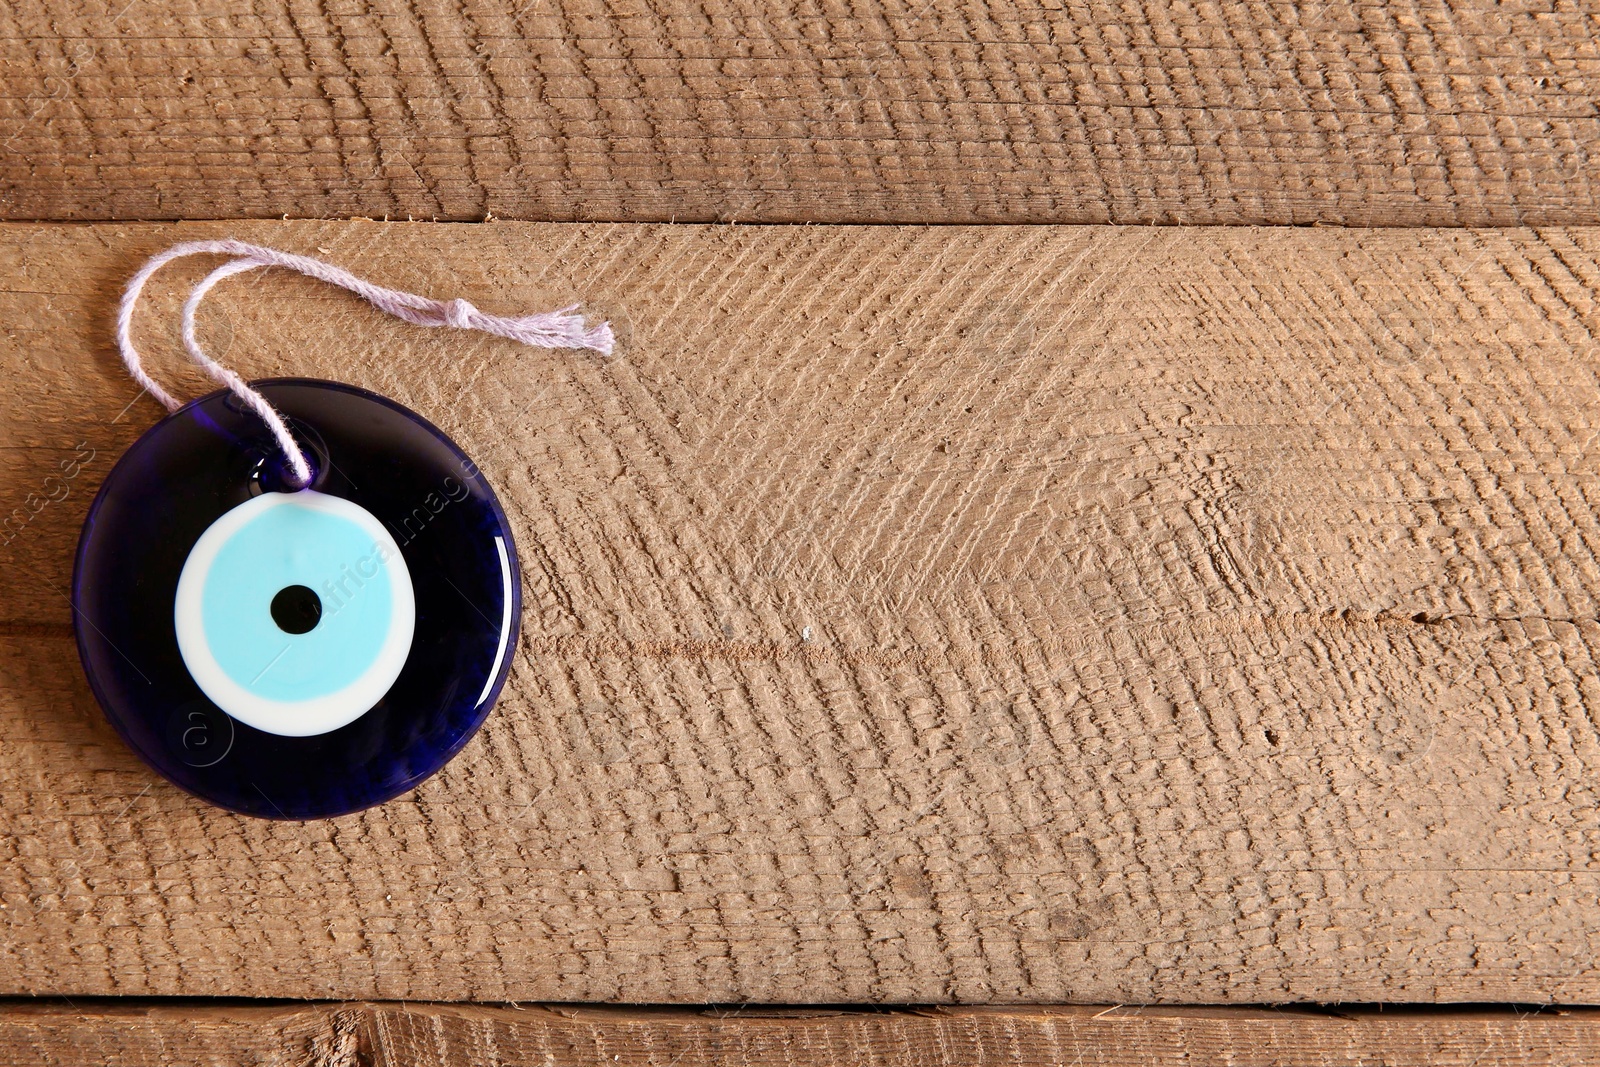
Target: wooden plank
<point>424,1035</point>
<point>913,614</point>
<point>1383,112</point>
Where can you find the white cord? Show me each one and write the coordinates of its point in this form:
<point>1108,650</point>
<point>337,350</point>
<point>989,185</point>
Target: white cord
<point>554,329</point>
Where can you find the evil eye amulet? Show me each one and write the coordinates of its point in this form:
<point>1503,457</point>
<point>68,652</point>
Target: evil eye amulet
<point>296,653</point>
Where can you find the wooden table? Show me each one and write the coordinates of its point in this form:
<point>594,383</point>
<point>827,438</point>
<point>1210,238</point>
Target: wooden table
<point>1173,619</point>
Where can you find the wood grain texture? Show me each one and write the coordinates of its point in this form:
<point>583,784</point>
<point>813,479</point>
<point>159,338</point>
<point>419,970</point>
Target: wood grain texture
<point>424,1035</point>
<point>1383,112</point>
<point>912,614</point>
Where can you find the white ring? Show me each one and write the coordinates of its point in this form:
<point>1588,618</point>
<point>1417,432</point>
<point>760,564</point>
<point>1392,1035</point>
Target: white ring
<point>316,715</point>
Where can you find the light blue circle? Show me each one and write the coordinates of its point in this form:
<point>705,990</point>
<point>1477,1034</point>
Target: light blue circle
<point>291,545</point>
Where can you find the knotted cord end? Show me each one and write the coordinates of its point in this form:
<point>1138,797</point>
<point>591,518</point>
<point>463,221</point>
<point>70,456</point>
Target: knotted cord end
<point>460,314</point>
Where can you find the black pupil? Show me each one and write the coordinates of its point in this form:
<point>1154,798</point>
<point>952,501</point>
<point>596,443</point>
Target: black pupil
<point>296,609</point>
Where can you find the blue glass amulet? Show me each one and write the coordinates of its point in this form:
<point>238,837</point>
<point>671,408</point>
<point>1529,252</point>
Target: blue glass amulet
<point>296,653</point>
